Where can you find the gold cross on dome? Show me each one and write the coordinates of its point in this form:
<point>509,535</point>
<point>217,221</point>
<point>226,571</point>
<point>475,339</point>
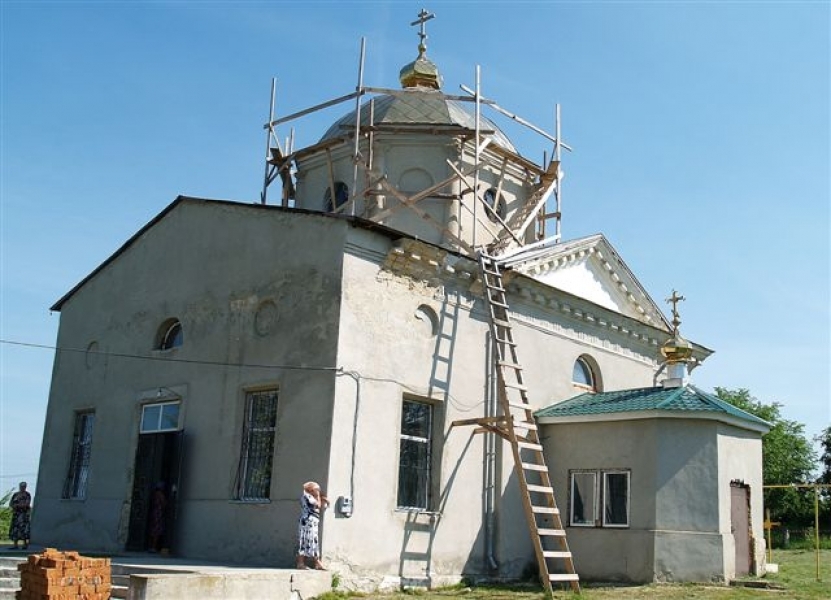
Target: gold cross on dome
<point>674,300</point>
<point>423,17</point>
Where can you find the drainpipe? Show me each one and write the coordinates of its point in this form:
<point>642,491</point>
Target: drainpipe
<point>490,467</point>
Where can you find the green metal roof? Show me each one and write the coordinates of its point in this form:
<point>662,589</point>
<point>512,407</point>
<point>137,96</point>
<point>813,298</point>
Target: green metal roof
<point>681,399</point>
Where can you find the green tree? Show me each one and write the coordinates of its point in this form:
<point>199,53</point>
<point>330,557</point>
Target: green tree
<point>5,514</point>
<point>824,440</point>
<point>787,457</point>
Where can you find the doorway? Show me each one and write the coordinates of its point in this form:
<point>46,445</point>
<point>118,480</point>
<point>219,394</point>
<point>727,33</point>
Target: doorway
<point>154,501</point>
<point>740,526</point>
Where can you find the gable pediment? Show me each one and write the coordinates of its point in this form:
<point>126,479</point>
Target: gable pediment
<point>591,269</point>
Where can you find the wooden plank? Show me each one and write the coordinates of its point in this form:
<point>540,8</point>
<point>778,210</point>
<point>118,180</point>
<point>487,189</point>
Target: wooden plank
<point>545,510</point>
<point>556,553</point>
<point>552,532</point>
<point>563,577</point>
<point>525,425</point>
<point>540,489</point>
<point>509,365</point>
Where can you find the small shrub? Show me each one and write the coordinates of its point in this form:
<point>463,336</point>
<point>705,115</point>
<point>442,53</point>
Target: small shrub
<point>5,513</point>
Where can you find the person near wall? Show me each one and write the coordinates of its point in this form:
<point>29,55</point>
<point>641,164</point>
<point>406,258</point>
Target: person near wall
<point>312,503</point>
<point>158,511</point>
<point>21,505</point>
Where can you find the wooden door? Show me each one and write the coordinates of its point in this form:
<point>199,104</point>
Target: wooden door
<point>740,526</point>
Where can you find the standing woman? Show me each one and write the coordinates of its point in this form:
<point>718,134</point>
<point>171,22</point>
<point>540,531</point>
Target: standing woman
<point>21,504</point>
<point>312,502</point>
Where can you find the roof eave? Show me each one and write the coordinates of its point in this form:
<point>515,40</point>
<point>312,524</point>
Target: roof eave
<point>704,415</point>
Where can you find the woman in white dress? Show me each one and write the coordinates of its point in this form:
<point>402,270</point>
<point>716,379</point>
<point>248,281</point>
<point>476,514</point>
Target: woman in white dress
<point>312,503</point>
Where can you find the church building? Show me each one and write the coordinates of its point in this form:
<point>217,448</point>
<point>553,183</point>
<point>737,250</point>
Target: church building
<point>405,325</point>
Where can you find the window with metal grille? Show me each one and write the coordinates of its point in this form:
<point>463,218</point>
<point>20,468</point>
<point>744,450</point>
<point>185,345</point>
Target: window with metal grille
<point>254,473</point>
<point>415,455</point>
<point>75,485</point>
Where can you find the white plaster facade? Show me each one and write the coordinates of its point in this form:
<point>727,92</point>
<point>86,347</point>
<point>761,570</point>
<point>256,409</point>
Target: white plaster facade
<point>345,318</point>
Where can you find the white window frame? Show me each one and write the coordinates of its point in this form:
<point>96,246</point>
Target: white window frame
<point>600,494</point>
<point>161,406</point>
<point>428,441</point>
<point>593,509</point>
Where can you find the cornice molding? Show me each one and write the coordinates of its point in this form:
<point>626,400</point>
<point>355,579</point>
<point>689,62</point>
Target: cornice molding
<point>580,320</point>
<point>627,289</point>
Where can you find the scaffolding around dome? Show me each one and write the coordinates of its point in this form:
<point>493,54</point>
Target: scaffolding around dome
<point>422,109</point>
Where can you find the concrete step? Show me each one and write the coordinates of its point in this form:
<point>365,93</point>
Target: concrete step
<point>119,591</point>
<point>9,576</point>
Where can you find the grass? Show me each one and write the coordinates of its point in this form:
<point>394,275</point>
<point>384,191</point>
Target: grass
<point>797,575</point>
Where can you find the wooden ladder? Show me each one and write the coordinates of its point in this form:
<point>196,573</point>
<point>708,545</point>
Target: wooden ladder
<point>517,426</point>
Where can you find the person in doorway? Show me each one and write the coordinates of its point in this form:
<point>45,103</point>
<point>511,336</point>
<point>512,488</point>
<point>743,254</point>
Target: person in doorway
<point>312,503</point>
<point>21,505</point>
<point>158,508</point>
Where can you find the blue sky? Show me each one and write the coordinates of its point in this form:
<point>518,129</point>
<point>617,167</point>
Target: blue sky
<point>700,133</point>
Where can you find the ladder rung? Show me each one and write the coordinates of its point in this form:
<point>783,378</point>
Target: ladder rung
<point>520,405</point>
<point>529,446</point>
<point>503,341</point>
<point>545,510</point>
<point>510,365</point>
<point>516,386</point>
<point>556,553</point>
<point>524,425</point>
<point>500,322</point>
<point>552,532</point>
<point>498,303</point>
<point>534,467</point>
<point>543,489</point>
<point>563,577</point>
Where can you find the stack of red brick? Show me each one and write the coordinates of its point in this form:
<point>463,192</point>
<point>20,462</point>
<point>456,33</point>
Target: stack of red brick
<point>56,575</point>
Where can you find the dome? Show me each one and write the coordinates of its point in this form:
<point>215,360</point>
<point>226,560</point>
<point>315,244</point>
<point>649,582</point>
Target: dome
<point>419,108</point>
<point>677,349</point>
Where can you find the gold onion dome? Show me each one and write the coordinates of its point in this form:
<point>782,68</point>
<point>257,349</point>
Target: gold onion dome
<point>676,349</point>
<point>422,72</point>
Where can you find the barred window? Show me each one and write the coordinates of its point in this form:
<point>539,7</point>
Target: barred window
<point>415,455</point>
<point>75,485</point>
<point>254,473</point>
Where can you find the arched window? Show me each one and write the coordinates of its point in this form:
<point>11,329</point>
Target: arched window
<point>341,196</point>
<point>585,374</point>
<point>497,205</point>
<point>170,335</point>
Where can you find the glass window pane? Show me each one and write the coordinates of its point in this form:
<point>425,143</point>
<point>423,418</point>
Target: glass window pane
<point>170,416</point>
<point>150,418</point>
<point>583,493</point>
<point>254,481</point>
<point>75,485</point>
<point>581,374</point>
<point>414,474</point>
<point>415,419</point>
<point>616,499</point>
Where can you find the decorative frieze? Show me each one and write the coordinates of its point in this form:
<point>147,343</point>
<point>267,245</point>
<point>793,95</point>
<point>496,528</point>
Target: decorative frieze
<point>433,268</point>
